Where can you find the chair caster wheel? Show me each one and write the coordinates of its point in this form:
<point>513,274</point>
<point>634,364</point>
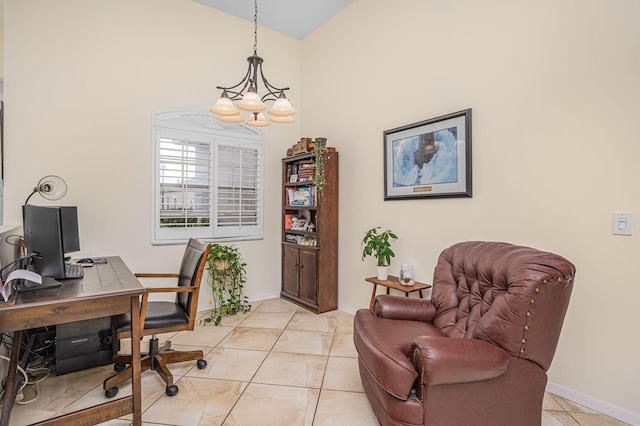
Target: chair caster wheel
<point>110,393</point>
<point>201,364</point>
<point>171,390</point>
<point>119,367</point>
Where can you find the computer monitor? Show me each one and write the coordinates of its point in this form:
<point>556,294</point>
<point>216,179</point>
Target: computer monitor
<point>49,234</point>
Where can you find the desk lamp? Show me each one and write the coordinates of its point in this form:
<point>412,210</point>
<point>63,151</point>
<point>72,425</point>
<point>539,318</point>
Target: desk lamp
<point>50,187</point>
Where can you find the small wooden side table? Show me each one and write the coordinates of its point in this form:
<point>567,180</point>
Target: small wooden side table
<point>394,283</point>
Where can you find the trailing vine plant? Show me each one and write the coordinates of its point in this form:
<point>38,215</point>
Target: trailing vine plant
<point>228,275</point>
<point>319,152</point>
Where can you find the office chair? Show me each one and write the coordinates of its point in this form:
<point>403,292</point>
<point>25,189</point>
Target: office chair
<point>163,317</point>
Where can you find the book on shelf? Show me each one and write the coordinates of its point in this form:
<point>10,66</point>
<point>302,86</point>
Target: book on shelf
<point>300,225</point>
<point>289,220</point>
<point>308,240</point>
<point>303,240</point>
<point>306,172</point>
<point>300,197</point>
<point>290,238</point>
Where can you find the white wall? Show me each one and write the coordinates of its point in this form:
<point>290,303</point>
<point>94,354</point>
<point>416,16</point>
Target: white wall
<point>81,81</point>
<point>554,90</point>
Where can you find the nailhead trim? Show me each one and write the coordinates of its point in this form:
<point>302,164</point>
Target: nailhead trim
<point>526,326</point>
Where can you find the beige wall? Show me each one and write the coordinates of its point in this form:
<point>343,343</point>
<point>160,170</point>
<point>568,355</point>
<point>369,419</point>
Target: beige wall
<point>554,90</point>
<point>81,81</point>
<point>553,87</point>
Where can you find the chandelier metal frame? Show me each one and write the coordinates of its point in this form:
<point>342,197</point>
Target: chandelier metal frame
<point>282,111</point>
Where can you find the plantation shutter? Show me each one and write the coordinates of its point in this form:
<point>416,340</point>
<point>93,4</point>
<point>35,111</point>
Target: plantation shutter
<point>185,183</point>
<point>237,188</point>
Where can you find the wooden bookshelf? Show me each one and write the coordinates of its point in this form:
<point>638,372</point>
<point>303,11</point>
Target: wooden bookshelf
<point>310,254</point>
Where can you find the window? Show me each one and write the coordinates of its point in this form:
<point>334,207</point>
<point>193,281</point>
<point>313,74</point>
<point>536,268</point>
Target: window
<point>207,179</point>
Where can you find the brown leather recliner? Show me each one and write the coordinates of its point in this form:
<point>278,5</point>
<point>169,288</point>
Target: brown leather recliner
<point>477,352</point>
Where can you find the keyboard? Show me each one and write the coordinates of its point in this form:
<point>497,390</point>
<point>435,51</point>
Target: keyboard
<point>73,270</point>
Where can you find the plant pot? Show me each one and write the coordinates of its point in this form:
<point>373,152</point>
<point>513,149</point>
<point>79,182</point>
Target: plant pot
<point>221,265</point>
<point>383,272</point>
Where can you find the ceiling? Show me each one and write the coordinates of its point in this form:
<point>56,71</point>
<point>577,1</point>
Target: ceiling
<point>295,18</point>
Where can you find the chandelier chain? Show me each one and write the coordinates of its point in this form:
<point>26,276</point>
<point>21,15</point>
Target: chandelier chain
<point>255,29</point>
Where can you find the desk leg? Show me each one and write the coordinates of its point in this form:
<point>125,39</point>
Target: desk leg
<point>135,361</point>
<point>373,296</point>
<point>10,393</point>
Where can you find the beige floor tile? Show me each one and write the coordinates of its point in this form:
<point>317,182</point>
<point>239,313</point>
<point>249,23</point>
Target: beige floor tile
<point>28,416</point>
<point>270,405</point>
<point>152,388</point>
<point>342,374</point>
<point>342,345</point>
<point>202,335</point>
<point>596,419</point>
<point>340,322</point>
<point>259,339</point>
<point>292,370</point>
<point>550,403</point>
<point>558,418</point>
<point>56,392</point>
<point>336,408</point>
<point>230,364</point>
<point>572,407</point>
<point>304,342</point>
<point>308,321</point>
<point>276,305</point>
<point>227,320</point>
<point>199,402</point>
<point>278,320</point>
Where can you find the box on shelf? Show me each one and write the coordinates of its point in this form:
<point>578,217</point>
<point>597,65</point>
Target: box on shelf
<point>301,147</point>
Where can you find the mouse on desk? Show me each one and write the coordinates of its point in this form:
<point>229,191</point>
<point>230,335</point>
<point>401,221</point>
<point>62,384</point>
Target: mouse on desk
<point>86,260</point>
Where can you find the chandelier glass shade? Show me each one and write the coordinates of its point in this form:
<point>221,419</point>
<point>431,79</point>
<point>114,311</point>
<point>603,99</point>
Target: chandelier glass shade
<point>246,92</point>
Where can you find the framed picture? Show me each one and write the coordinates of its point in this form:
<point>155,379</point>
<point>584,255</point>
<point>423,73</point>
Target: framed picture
<point>429,159</point>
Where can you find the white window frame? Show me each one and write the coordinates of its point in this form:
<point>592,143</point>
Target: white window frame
<point>201,127</point>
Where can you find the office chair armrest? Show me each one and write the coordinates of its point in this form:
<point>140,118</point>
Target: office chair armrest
<point>149,290</point>
<point>171,289</point>
<point>152,275</point>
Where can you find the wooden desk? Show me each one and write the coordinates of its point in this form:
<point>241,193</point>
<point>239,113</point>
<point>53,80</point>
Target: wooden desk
<point>106,289</point>
<point>394,283</point>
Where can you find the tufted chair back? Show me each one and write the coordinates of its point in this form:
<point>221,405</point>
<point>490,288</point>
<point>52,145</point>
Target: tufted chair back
<point>514,297</point>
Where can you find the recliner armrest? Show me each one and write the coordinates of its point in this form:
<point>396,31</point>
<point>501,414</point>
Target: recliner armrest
<point>446,360</point>
<point>404,308</point>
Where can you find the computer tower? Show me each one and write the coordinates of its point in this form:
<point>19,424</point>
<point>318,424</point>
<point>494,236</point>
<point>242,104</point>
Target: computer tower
<point>83,344</point>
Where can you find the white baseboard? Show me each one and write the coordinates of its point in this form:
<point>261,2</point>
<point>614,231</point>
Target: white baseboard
<point>265,297</point>
<point>600,406</point>
<point>347,309</point>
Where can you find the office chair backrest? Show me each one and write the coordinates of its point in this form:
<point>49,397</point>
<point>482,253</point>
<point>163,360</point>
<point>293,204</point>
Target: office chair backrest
<point>191,270</point>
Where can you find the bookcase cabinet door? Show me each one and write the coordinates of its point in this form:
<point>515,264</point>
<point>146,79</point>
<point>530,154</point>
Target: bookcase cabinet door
<point>290,270</point>
<point>308,276</point>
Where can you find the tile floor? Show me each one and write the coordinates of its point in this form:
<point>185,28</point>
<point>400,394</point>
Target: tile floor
<point>277,365</point>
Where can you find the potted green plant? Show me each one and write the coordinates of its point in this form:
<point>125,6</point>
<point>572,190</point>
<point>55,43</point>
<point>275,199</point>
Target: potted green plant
<point>378,245</point>
<point>228,275</point>
<point>320,150</point>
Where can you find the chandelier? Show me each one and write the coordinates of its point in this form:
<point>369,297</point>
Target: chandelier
<point>247,92</point>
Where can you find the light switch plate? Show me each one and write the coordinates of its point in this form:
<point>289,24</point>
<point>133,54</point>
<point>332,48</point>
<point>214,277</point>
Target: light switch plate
<point>622,224</point>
